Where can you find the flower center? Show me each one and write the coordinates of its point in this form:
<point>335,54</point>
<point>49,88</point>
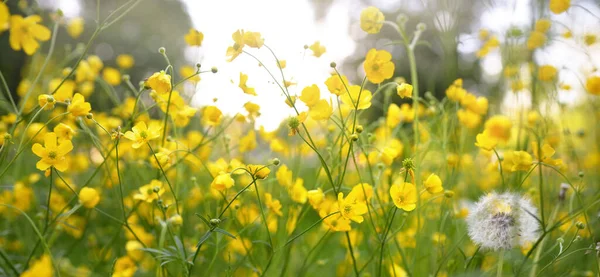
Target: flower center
<point>52,155</point>
<point>375,67</point>
<point>143,134</point>
<point>347,209</point>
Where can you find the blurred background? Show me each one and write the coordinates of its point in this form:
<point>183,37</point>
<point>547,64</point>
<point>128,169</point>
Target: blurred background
<point>450,51</point>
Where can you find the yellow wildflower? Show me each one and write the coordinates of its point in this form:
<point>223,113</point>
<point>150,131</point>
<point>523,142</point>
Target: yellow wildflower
<point>404,195</point>
<point>52,153</point>
<point>89,197</point>
<point>244,87</point>
<point>140,134</point>
<point>433,184</point>
<point>351,208</point>
<point>371,20</point>
<point>378,66</point>
<point>25,33</point>
<point>357,97</point>
<point>317,49</point>
<point>404,90</point>
<point>194,37</point>
<point>150,192</point>
<point>75,27</point>
<point>125,61</point>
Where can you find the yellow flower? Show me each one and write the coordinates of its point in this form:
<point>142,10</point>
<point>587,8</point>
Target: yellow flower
<point>315,197</point>
<point>547,73</point>
<point>140,134</point>
<point>298,192</point>
<point>244,87</point>
<point>222,182</point>
<point>456,92</point>
<point>40,268</point>
<point>4,17</point>
<point>310,95</point>
<point>592,85</point>
<point>25,33</point>
<point>211,115</point>
<point>433,184</point>
<point>47,101</point>
<point>260,171</point>
<point>187,71</point>
<point>75,27</point>
<point>284,176</point>
<point>351,98</point>
<point>371,20</point>
<point>559,6</point>
<point>112,76</point>
<point>89,197</point>
<point>536,39</point>
<point>321,111</point>
<point>159,82</point>
<point>134,249</point>
<point>150,192</point>
<point>351,208</point>
<point>404,195</point>
<point>542,25</point>
<point>248,142</point>
<point>589,39</point>
<point>336,84</point>
<point>499,127</point>
<point>64,132</point>
<point>518,160</point>
<point>124,267</point>
<point>273,204</point>
<point>404,90</point>
<point>485,141</point>
<point>125,61</point>
<point>194,37</point>
<point>78,106</point>
<point>317,49</point>
<point>253,39</point>
<point>378,66</point>
<point>238,45</point>
<point>52,153</point>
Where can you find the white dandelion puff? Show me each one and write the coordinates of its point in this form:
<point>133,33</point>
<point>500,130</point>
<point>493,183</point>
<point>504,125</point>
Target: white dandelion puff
<point>503,221</point>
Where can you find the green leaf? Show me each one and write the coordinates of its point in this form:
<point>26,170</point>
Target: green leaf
<point>224,232</point>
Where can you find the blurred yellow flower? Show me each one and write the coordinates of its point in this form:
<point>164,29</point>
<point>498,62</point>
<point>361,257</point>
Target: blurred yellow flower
<point>317,49</point>
<point>559,6</point>
<point>150,192</point>
<point>310,95</point>
<point>64,132</point>
<point>371,20</point>
<point>404,90</point>
<point>125,61</point>
<point>244,87</point>
<point>159,82</point>
<point>499,127</point>
<point>543,25</point>
<point>78,106</point>
<point>404,195</point>
<point>47,101</point>
<point>357,97</point>
<point>211,115</point>
<point>592,85</point>
<point>336,84</point>
<point>75,27</point>
<point>4,17</point>
<point>378,66</point>
<point>433,184</point>
<point>194,37</point>
<point>40,268</point>
<point>52,153</point>
<point>140,134</point>
<point>124,267</point>
<point>253,39</point>
<point>260,171</point>
<point>112,76</point>
<point>485,141</point>
<point>187,71</point>
<point>89,197</point>
<point>536,39</point>
<point>273,204</point>
<point>222,182</point>
<point>518,160</point>
<point>25,33</point>
<point>547,73</point>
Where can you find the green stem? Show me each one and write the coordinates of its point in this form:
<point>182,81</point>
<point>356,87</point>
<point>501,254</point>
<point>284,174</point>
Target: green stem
<point>500,263</point>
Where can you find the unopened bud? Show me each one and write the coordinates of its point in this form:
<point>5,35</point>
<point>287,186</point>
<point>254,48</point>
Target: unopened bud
<point>421,27</point>
<point>162,50</point>
<point>198,65</point>
<point>580,225</point>
<point>215,222</point>
<point>214,69</point>
<point>359,129</point>
<point>333,64</point>
<point>89,116</point>
<point>276,161</point>
<point>449,194</point>
<point>354,137</point>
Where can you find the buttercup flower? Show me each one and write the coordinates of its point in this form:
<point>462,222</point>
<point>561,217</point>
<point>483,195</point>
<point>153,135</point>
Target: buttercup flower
<point>222,182</point>
<point>194,37</point>
<point>211,115</point>
<point>238,45</point>
<point>371,20</point>
<point>89,197</point>
<point>253,39</point>
<point>317,49</point>
<point>159,82</point>
<point>485,141</point>
<point>404,195</point>
<point>351,98</point>
<point>4,17</point>
<point>260,171</point>
<point>336,84</point>
<point>499,127</point>
<point>244,87</point>
<point>310,95</point>
<point>52,153</point>
<point>378,66</point>
<point>502,221</point>
<point>47,101</point>
<point>25,33</point>
<point>125,61</point>
<point>40,268</point>
<point>112,76</point>
<point>75,27</point>
<point>433,184</point>
<point>404,90</point>
<point>351,208</point>
<point>150,192</point>
<point>140,134</point>
<point>559,6</point>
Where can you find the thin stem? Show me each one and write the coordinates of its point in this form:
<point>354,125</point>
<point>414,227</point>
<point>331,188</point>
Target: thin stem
<point>500,263</point>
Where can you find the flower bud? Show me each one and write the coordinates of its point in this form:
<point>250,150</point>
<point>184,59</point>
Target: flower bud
<point>198,65</point>
<point>305,46</point>
<point>581,174</point>
<point>359,129</point>
<point>421,27</point>
<point>276,161</point>
<point>215,222</point>
<point>402,19</point>
<point>162,50</point>
<point>214,69</point>
<point>333,64</point>
<point>449,194</point>
<point>89,116</point>
<point>126,77</point>
<point>580,225</point>
<point>354,137</point>
<point>560,240</point>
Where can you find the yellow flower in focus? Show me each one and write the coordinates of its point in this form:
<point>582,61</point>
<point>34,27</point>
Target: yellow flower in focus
<point>559,6</point>
<point>25,33</point>
<point>404,195</point>
<point>336,84</point>
<point>47,101</point>
<point>187,71</point>
<point>357,97</point>
<point>351,208</point>
<point>4,17</point>
<point>89,197</point>
<point>150,192</point>
<point>404,90</point>
<point>75,27</point>
<point>125,61</point>
<point>378,66</point>
<point>159,82</point>
<point>317,49</point>
<point>140,134</point>
<point>499,127</point>
<point>124,267</point>
<point>547,73</point>
<point>112,76</point>
<point>244,87</point>
<point>253,39</point>
<point>222,182</point>
<point>433,184</point>
<point>321,111</point>
<point>485,141</point>
<point>371,20</point>
<point>536,39</point>
<point>194,37</point>
<point>260,171</point>
<point>40,268</point>
<point>52,153</point>
<point>592,85</point>
<point>310,95</point>
<point>211,115</point>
